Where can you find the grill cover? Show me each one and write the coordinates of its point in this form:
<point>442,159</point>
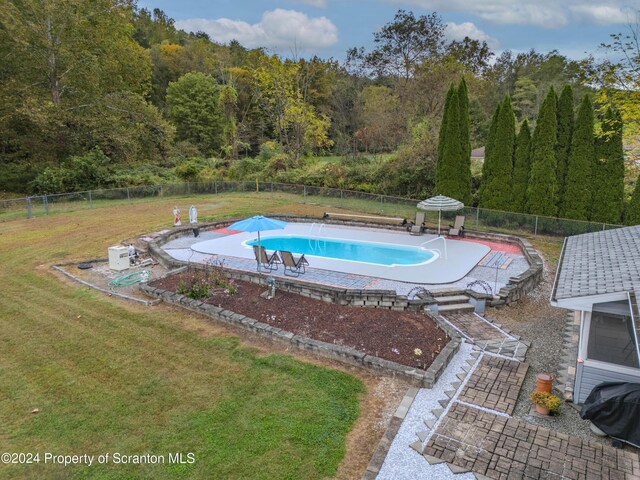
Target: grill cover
<point>614,407</point>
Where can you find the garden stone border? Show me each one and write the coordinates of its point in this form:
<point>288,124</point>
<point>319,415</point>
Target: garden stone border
<point>516,288</point>
<point>421,378</point>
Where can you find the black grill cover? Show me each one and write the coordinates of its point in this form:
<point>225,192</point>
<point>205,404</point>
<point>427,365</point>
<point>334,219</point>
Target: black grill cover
<point>614,407</point>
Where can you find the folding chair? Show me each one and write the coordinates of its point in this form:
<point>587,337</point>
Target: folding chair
<point>418,227</point>
<point>292,265</point>
<point>457,229</point>
<point>269,262</point>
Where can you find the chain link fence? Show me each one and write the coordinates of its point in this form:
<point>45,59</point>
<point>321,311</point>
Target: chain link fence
<point>475,218</point>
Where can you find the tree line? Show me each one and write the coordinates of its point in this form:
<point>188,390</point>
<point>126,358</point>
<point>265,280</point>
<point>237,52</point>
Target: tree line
<point>564,169</point>
<point>102,93</point>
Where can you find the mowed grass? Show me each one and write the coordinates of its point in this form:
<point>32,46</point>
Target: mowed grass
<point>110,376</point>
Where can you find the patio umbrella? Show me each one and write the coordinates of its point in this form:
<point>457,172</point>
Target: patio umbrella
<point>258,224</point>
<point>440,203</point>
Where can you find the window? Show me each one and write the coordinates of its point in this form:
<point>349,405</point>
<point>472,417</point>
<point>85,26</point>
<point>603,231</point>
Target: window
<point>612,338</point>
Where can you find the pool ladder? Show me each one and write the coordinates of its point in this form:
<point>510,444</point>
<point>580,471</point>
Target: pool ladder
<point>444,242</point>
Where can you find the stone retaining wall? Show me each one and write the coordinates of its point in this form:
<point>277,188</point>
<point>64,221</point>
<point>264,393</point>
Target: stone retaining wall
<point>517,288</point>
<point>421,378</point>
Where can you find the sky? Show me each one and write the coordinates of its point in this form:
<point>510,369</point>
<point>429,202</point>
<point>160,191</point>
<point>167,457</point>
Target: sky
<point>328,28</point>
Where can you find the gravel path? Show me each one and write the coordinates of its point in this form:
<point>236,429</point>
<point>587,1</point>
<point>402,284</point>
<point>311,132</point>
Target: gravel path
<point>402,461</point>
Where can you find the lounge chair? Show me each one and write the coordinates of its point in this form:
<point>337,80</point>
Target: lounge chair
<point>292,265</point>
<point>418,226</point>
<point>457,229</point>
<point>268,262</point>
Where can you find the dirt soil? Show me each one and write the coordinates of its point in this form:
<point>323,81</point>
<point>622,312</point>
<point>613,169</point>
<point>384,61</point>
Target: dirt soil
<point>408,338</point>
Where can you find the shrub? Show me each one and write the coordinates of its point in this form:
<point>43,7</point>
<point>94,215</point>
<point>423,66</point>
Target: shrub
<point>546,400</point>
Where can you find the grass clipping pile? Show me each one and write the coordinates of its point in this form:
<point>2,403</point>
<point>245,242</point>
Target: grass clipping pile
<point>408,338</point>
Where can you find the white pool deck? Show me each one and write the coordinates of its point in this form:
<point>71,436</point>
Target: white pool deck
<point>454,259</point>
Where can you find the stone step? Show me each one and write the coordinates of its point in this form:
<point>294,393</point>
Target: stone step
<point>451,299</point>
<point>455,307</point>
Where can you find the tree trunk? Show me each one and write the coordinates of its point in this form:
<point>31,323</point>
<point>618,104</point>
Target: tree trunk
<point>52,62</point>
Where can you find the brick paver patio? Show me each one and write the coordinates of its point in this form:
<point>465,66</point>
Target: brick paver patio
<point>474,326</point>
<point>495,384</point>
<point>503,448</point>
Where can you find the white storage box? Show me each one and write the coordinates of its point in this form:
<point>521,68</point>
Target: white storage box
<point>118,258</point>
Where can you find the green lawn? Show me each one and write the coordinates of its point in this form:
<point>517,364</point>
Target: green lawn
<point>109,376</point>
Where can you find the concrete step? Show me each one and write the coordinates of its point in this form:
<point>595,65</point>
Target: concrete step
<point>452,299</point>
<point>455,307</point>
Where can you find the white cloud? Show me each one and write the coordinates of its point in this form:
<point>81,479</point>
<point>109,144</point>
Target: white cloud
<point>541,13</point>
<point>601,14</point>
<point>277,29</point>
<point>457,31</point>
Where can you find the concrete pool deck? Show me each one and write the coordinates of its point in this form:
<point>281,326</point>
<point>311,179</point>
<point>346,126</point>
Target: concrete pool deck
<point>496,265</point>
<point>452,262</point>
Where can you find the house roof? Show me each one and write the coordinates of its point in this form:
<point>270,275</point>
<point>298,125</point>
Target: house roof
<point>599,263</point>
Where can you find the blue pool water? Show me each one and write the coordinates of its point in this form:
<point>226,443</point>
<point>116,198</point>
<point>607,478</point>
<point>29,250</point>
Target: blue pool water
<point>382,254</point>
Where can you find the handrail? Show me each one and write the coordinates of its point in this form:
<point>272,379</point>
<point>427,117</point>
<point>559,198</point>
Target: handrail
<point>444,241</point>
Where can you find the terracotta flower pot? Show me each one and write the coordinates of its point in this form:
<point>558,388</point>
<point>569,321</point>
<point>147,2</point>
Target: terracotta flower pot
<point>544,382</point>
<point>542,410</point>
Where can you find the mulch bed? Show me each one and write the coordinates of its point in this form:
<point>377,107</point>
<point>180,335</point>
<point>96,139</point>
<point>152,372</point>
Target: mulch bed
<point>388,334</point>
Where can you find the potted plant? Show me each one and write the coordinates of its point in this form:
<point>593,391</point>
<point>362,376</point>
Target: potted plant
<point>545,402</point>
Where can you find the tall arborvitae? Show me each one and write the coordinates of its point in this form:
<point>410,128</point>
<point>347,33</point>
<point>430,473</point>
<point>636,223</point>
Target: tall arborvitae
<point>608,177</point>
<point>465,142</point>
<point>576,198</point>
<point>443,125</point>
<point>632,215</point>
<point>450,150</point>
<point>565,132</point>
<point>497,192</point>
<point>487,165</point>
<point>542,189</point>
<point>521,169</point>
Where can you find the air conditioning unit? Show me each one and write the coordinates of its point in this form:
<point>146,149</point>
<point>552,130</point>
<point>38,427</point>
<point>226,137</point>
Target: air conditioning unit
<point>118,258</point>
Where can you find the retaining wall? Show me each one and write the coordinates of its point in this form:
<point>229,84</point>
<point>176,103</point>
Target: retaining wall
<point>516,288</point>
<point>422,378</point>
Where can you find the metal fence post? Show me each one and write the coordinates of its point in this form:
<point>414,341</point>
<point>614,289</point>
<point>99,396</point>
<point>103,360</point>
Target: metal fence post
<point>381,204</point>
<point>535,231</point>
<point>90,200</point>
<point>128,195</point>
<point>304,194</point>
<point>477,218</point>
<point>215,188</point>
<point>45,203</point>
<point>29,212</point>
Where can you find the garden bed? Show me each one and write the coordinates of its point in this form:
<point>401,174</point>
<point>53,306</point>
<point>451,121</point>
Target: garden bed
<point>407,338</point>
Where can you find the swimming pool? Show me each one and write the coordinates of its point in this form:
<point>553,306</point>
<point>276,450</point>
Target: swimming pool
<point>355,251</point>
<point>439,269</point>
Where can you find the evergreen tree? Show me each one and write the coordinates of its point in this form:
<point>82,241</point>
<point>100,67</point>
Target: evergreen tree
<point>448,168</point>
<point>487,165</point>
<point>497,192</point>
<point>576,197</point>
<point>542,189</point>
<point>443,125</point>
<point>453,170</point>
<point>565,132</point>
<point>465,142</point>
<point>607,186</point>
<point>521,169</point>
<point>632,215</point>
